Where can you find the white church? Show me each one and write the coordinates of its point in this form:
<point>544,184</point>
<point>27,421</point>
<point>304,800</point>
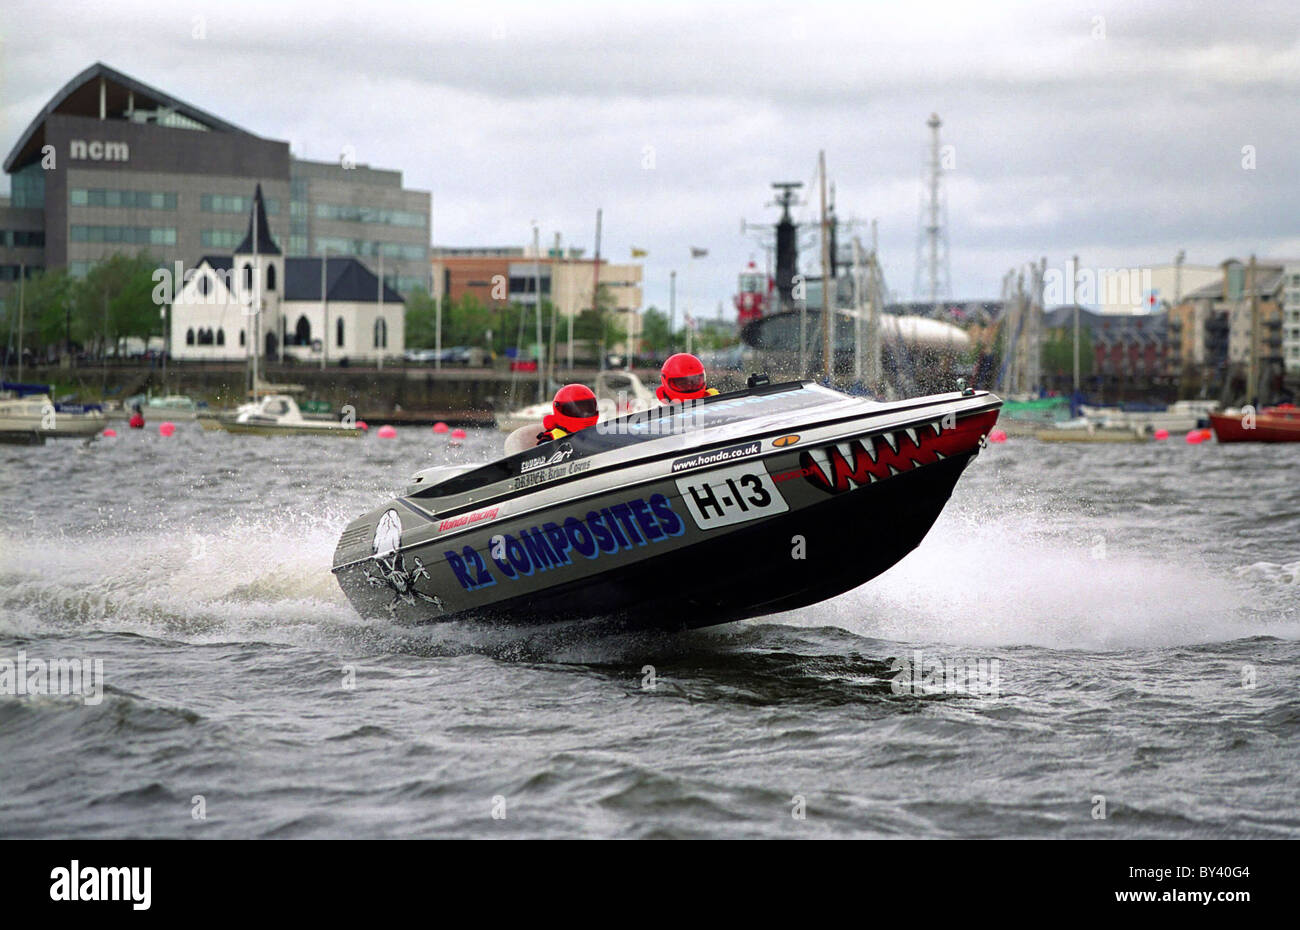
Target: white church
<point>213,317</point>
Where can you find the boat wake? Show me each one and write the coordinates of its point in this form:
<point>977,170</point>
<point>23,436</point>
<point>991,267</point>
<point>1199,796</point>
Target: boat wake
<point>1017,580</point>
<point>1004,581</point>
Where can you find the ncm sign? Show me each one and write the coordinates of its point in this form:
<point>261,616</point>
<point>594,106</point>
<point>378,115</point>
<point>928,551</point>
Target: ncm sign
<point>99,151</point>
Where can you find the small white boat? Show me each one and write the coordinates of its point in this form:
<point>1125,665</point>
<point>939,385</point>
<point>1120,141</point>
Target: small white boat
<point>1178,417</point>
<point>34,417</point>
<point>617,393</point>
<point>278,415</point>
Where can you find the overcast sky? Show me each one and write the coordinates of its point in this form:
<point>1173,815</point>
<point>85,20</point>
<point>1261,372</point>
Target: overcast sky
<point>1110,130</point>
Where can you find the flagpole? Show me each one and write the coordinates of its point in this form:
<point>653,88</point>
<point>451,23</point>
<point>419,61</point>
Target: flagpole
<point>550,343</point>
<point>672,307</point>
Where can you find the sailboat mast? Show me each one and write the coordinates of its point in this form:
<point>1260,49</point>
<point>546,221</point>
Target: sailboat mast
<point>256,297</point>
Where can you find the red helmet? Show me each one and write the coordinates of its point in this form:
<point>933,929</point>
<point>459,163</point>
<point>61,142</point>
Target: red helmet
<point>574,409</point>
<point>682,378</point>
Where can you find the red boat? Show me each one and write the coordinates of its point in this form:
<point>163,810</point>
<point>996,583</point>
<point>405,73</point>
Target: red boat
<point>1271,424</point>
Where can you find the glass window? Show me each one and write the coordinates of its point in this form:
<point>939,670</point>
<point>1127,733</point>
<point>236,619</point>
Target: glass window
<point>234,203</point>
<point>27,186</point>
<point>220,238</point>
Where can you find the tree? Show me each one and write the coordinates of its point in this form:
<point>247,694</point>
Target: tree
<point>47,302</point>
<point>466,322</point>
<point>421,319</point>
<point>115,301</point>
<point>655,336</point>
<point>1058,352</point>
<point>599,324</point>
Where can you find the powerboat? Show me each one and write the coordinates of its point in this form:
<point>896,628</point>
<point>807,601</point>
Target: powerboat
<point>27,414</point>
<point>1270,424</point>
<point>617,392</point>
<point>278,415</point>
<point>685,515</point>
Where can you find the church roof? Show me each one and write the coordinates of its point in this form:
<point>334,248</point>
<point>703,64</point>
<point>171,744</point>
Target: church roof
<point>348,279</point>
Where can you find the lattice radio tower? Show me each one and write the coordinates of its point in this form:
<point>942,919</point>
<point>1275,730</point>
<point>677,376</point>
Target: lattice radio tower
<point>932,281</point>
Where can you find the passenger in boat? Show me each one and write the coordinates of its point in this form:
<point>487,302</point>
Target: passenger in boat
<point>682,378</point>
<point>137,418</point>
<point>573,409</point>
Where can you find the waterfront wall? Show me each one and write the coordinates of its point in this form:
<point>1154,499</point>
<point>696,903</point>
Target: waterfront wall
<point>466,395</point>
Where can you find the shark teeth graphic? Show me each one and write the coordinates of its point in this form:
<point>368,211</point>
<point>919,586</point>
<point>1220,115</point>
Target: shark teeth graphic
<point>890,438</point>
<point>940,455</point>
<point>911,434</point>
<point>937,426</point>
<point>822,460</point>
<point>915,463</point>
<point>846,450</point>
<point>871,479</point>
<point>893,471</point>
<point>869,447</point>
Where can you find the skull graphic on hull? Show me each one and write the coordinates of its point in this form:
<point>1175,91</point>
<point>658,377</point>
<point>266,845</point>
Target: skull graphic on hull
<point>390,568</point>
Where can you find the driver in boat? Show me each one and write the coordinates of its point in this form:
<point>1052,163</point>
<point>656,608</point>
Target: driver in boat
<point>573,409</point>
<point>682,378</point>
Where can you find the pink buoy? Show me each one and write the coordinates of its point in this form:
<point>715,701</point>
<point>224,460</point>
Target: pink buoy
<point>998,436</point>
<point>1162,434</point>
<point>458,434</point>
<point>386,432</point>
<point>1194,437</point>
<point>166,428</point>
<point>110,433</point>
<point>440,427</point>
<point>363,425</point>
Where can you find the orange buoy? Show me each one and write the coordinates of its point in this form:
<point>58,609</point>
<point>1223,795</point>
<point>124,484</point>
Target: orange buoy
<point>1207,434</point>
<point>440,427</point>
<point>166,428</point>
<point>386,432</point>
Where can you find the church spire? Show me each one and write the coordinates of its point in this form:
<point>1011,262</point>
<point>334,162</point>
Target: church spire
<point>265,245</point>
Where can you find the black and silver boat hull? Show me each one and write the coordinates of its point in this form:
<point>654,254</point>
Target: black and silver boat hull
<point>793,514</point>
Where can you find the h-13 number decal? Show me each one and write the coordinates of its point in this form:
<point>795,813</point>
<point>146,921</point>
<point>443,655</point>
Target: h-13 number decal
<point>731,495</point>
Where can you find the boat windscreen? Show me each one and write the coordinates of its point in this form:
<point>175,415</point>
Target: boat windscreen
<point>633,428</point>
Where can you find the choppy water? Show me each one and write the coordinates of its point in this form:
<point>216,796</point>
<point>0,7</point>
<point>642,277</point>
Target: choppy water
<point>1129,594</point>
